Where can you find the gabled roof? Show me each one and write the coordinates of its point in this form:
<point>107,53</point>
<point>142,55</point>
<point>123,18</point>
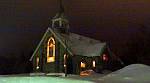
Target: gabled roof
<point>76,44</point>
<point>85,46</point>
<point>44,36</point>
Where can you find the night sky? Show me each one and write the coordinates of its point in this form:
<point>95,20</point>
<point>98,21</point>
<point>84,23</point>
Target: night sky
<point>23,22</point>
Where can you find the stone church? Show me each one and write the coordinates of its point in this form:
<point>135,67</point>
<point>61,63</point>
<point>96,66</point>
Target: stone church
<point>61,51</point>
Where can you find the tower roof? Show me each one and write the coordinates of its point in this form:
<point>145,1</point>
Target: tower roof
<point>61,11</point>
<point>61,7</point>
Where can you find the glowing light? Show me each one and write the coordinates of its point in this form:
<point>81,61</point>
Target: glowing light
<point>65,56</point>
<point>64,65</point>
<point>37,67</point>
<point>51,50</point>
<point>37,63</point>
<point>94,64</point>
<point>82,65</point>
<point>50,59</point>
<point>105,58</point>
<point>84,74</point>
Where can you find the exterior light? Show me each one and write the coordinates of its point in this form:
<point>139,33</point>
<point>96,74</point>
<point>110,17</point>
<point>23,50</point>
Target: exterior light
<point>37,63</point>
<point>37,67</point>
<point>64,65</point>
<point>65,60</point>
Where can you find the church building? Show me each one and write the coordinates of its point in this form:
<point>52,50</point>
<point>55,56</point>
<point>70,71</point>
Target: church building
<point>61,51</point>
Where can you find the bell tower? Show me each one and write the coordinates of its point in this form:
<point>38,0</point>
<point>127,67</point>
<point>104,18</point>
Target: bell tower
<point>59,22</point>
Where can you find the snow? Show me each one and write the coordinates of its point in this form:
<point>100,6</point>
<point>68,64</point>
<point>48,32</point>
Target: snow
<point>89,76</point>
<point>135,73</point>
<point>76,44</point>
<point>81,45</point>
<point>38,79</point>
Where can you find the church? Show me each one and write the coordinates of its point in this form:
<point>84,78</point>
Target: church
<point>61,51</point>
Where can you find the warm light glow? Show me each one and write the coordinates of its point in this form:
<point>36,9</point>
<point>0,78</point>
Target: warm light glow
<point>105,58</point>
<point>65,56</point>
<point>50,59</point>
<point>64,65</point>
<point>94,64</point>
<point>82,65</point>
<point>37,67</point>
<point>37,63</point>
<point>51,50</point>
<point>84,74</point>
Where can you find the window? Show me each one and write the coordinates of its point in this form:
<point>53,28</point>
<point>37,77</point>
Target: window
<point>94,64</point>
<point>65,57</point>
<point>56,24</point>
<point>82,65</point>
<point>105,57</point>
<point>51,50</point>
<point>37,63</point>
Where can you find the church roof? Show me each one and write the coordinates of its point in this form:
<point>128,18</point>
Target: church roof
<point>76,44</point>
<point>85,46</point>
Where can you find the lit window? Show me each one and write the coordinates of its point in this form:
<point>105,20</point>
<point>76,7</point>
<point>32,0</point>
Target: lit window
<point>37,63</point>
<point>51,50</point>
<point>94,64</point>
<point>65,56</point>
<point>105,58</point>
<point>50,59</point>
<point>82,65</point>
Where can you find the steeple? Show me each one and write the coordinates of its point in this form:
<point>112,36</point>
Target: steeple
<point>61,7</point>
<point>59,21</point>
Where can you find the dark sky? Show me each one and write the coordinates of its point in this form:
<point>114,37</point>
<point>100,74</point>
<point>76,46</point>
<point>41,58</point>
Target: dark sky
<point>23,22</point>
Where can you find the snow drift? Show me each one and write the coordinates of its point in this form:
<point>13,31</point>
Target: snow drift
<point>135,73</point>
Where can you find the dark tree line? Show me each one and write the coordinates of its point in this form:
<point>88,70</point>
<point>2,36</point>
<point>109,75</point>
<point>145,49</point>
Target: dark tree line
<point>15,63</point>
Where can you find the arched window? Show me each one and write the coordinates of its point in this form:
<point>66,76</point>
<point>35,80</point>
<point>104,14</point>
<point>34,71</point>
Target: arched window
<point>51,50</point>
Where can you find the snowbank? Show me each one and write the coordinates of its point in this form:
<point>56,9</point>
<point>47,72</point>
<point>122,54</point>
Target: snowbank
<point>135,73</point>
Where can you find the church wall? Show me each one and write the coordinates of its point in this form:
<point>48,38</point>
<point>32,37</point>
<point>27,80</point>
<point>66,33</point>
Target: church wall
<point>61,52</point>
<point>76,64</point>
<point>58,65</point>
<point>99,64</point>
<point>77,59</point>
<point>47,67</point>
<point>73,62</point>
<point>34,63</point>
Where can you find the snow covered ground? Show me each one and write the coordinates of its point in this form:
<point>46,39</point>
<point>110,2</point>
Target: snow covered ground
<point>39,79</point>
<point>135,73</point>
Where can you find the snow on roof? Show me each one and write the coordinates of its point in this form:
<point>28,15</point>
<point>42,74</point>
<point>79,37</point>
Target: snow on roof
<point>135,73</point>
<point>81,45</point>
